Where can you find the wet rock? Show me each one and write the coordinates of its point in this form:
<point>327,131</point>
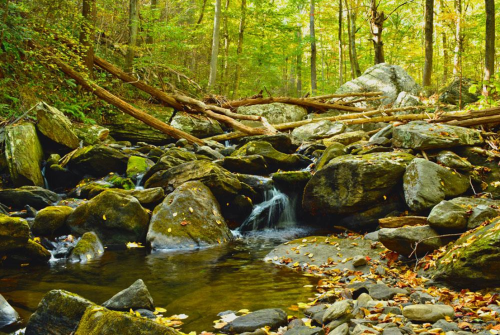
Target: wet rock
<point>421,297</point>
<point>334,150</point>
<point>88,247</point>
<point>91,134</point>
<point>422,136</point>
<point>451,94</point>
<point>391,80</point>
<point>14,232</point>
<point>50,220</point>
<point>223,184</point>
<point>8,315</point>
<point>251,164</point>
<point>446,326</point>
<point>480,214</point>
<point>31,253</point>
<point>137,166</point>
<point>172,157</point>
<point>24,154</point>
<point>428,313</point>
<point>310,311</point>
<point>304,330</point>
<point>56,126</point>
<point>34,196</point>
<point>59,312</point>
<point>188,218</point>
<point>209,152</point>
<point>116,218</point>
<point>295,323</point>
<point>448,216</point>
<point>275,112</point>
<point>274,158</point>
<point>339,310</point>
<point>473,260</point>
<point>384,292</point>
<point>291,181</point>
<point>98,161</point>
<point>346,138</point>
<point>403,240</point>
<point>352,183</point>
<point>197,125</point>
<point>134,297</point>
<point>99,320</point>
<point>272,317</point>
<point>426,184</point>
<point>317,130</point>
<point>281,142</point>
<point>149,197</point>
<point>453,161</point>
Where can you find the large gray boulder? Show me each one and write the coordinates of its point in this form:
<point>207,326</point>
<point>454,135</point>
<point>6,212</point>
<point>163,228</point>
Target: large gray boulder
<point>350,183</point>
<point>188,218</point>
<point>404,240</point>
<point>391,80</point>
<point>426,184</point>
<point>98,161</point>
<point>317,130</point>
<point>196,125</point>
<point>24,154</point>
<point>56,126</point>
<point>422,136</point>
<point>275,112</point>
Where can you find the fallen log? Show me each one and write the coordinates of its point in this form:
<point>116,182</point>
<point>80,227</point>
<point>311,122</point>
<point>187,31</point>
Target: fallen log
<point>472,114</point>
<point>346,95</point>
<point>119,103</point>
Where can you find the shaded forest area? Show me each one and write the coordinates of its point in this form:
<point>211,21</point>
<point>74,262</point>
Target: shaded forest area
<point>236,48</point>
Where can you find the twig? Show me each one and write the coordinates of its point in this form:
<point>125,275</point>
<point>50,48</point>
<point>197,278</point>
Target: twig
<point>428,238</point>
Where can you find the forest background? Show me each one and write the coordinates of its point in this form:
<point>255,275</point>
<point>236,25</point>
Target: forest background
<point>236,48</point>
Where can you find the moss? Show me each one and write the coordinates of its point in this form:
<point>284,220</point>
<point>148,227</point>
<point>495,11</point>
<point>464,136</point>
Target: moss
<point>89,246</point>
<point>125,183</point>
<point>137,165</point>
<point>14,232</point>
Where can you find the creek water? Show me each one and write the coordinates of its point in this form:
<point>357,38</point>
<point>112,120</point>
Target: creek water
<point>199,283</point>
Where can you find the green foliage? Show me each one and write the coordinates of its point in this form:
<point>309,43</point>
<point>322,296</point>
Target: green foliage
<point>490,97</point>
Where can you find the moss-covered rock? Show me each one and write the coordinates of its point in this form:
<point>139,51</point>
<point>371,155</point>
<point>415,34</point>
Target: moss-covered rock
<point>101,321</point>
<point>291,181</point>
<point>59,312</point>
<point>403,239</point>
<point>197,125</point>
<point>56,126</point>
<point>223,184</point>
<point>473,260</point>
<point>351,183</point>
<point>252,164</point>
<point>422,136</point>
<point>346,138</point>
<point>281,142</point>
<point>14,232</point>
<point>188,218</point>
<point>172,157</point>
<point>34,196</point>
<point>334,150</point>
<point>50,220</point>
<point>453,161</point>
<point>317,130</point>
<point>136,296</point>
<point>31,253</point>
<point>274,158</point>
<point>116,218</point>
<point>98,161</point>
<point>149,197</point>
<point>24,154</point>
<point>91,134</point>
<point>138,166</point>
<point>88,247</point>
<point>119,181</point>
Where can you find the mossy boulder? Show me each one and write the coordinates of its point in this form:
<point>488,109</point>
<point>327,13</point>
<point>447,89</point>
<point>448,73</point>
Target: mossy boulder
<point>473,260</point>
<point>59,312</point>
<point>137,165</point>
<point>116,218</point>
<point>121,182</point>
<point>223,184</point>
<point>291,181</point>
<point>453,161</point>
<point>275,112</point>
<point>251,164</point>
<point>50,220</point>
<point>188,218</point>
<point>56,126</point>
<point>197,125</point>
<point>98,161</point>
<point>91,134</point>
<point>423,136</point>
<point>281,142</point>
<point>136,296</point>
<point>24,154</point>
<point>271,317</point>
<point>346,138</point>
<point>172,157</point>
<point>101,321</point>
<point>334,150</point>
<point>14,232</point>
<point>426,184</point>
<point>31,253</point>
<point>351,183</point>
<point>87,248</point>
<point>149,197</point>
<point>317,130</point>
<point>274,158</point>
<point>34,196</point>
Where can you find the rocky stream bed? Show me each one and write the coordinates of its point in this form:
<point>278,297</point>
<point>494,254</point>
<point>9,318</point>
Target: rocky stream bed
<point>398,229</point>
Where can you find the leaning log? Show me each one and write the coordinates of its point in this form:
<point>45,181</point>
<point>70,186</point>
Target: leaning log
<point>119,103</point>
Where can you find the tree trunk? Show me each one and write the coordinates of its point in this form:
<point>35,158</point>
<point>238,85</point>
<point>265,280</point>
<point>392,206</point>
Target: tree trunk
<point>355,69</point>
<point>376,27</point>
<point>429,32</point>
<point>341,56</point>
<point>133,29</point>
<point>299,62</point>
<point>239,50</point>
<point>215,45</point>
<point>225,73</point>
<point>313,50</point>
<point>489,55</point>
<point>202,12</point>
<point>459,39</point>
<point>87,33</point>
<point>154,6</point>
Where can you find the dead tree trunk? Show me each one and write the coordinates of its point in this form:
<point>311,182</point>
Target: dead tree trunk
<point>429,32</point>
<point>376,27</point>
<point>489,54</point>
<point>89,12</point>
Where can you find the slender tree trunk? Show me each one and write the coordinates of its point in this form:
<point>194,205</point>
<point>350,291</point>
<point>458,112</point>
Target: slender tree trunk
<point>215,45</point>
<point>489,55</point>
<point>154,6</point>
<point>429,33</point>
<point>446,60</point>
<point>313,50</point>
<point>202,13</point>
<point>133,28</point>
<point>299,62</point>
<point>225,73</point>
<point>87,33</point>
<point>376,26</point>
<point>351,25</point>
<point>239,50</point>
<point>341,56</point>
<point>459,39</point>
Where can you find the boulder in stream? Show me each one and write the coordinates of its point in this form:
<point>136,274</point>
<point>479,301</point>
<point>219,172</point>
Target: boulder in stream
<point>24,154</point>
<point>8,315</point>
<point>56,126</point>
<point>98,161</point>
<point>188,218</point>
<point>34,196</point>
<point>136,296</point>
<point>251,164</point>
<point>271,317</point>
<point>50,219</point>
<point>88,247</point>
<point>14,232</point>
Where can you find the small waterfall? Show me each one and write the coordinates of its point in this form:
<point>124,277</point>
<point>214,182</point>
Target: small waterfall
<point>275,212</point>
<point>139,181</point>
